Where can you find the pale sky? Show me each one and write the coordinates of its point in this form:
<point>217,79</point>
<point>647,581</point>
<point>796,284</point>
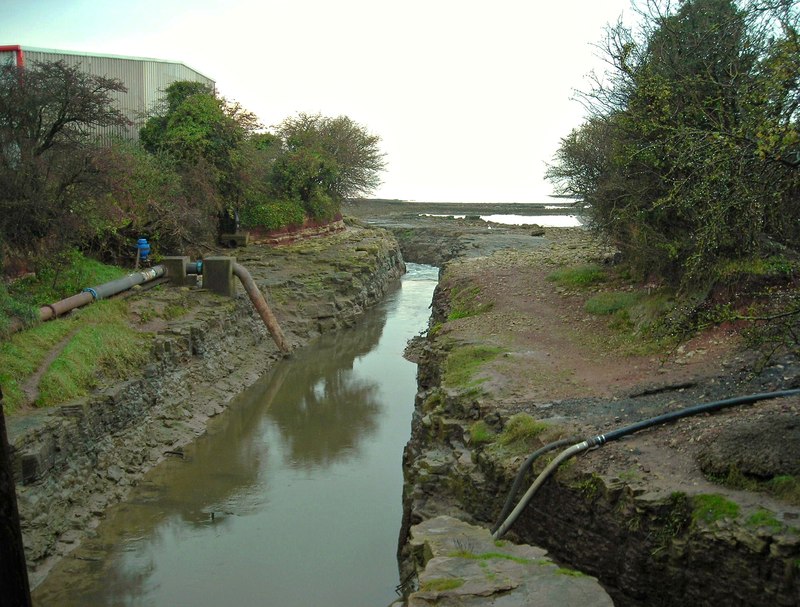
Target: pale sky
<point>469,98</point>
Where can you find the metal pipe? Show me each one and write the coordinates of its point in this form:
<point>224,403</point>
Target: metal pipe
<point>601,439</point>
<point>261,306</point>
<point>102,291</point>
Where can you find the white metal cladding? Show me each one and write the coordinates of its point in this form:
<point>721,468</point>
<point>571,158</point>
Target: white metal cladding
<point>145,79</point>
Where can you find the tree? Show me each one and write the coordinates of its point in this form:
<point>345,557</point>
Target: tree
<point>332,157</point>
<point>691,142</point>
<point>199,129</point>
<point>49,116</point>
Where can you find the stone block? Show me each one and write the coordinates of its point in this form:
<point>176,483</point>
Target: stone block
<point>218,275</point>
<point>176,270</point>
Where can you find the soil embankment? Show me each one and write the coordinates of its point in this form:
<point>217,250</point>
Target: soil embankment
<point>668,516</point>
<point>72,461</point>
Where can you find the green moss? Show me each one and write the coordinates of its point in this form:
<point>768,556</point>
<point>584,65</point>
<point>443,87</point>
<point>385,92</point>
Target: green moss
<point>174,311</point>
<point>764,518</point>
<point>463,362</point>
<point>569,572</point>
<point>579,276</point>
<point>709,508</point>
<point>479,433</point>
<point>441,584</point>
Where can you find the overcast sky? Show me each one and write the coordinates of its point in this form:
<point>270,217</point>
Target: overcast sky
<point>469,98</point>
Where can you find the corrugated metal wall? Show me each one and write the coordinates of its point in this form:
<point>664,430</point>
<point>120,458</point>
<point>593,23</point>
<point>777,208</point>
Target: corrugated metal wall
<point>145,80</point>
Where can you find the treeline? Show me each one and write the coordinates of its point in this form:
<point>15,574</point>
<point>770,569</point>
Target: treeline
<point>200,160</point>
<point>690,158</point>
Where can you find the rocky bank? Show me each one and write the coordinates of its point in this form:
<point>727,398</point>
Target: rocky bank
<point>649,516</point>
<point>73,460</point>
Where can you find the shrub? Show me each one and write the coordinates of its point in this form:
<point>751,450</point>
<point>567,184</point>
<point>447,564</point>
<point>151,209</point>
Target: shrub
<point>273,215</point>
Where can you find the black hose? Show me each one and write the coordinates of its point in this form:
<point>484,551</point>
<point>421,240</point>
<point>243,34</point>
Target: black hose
<point>523,470</point>
<point>506,520</point>
<point>704,408</point>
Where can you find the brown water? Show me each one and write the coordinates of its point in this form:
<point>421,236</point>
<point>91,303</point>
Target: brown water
<point>293,498</point>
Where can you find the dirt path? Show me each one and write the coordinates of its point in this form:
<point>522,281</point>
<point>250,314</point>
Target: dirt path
<point>31,386</point>
<point>563,364</point>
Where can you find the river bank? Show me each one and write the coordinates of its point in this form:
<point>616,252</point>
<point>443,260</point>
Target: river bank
<point>674,515</point>
<point>75,460</point>
<point>647,516</point>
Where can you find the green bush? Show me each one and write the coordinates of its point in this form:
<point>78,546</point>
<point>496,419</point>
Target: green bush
<point>273,215</point>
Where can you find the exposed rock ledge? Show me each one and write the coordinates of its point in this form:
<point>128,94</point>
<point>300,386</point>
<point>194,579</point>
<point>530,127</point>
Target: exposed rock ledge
<point>460,565</point>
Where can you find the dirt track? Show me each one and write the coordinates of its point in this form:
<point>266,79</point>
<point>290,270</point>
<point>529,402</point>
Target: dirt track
<point>561,363</point>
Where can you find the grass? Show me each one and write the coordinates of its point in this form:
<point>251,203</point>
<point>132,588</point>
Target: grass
<point>99,342</point>
<point>775,266</point>
<point>579,276</point>
<point>611,302</point>
<point>64,275</point>
<point>710,507</point>
<point>463,362</point>
<point>479,433</point>
<point>637,320</point>
<point>786,488</point>
<point>521,431</point>
<point>67,274</point>
<point>440,584</point>
<point>489,556</point>
<point>569,572</point>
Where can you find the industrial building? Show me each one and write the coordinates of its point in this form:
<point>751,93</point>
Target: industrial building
<point>146,79</point>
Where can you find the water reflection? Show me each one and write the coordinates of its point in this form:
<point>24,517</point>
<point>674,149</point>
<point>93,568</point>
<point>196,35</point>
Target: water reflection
<point>292,497</point>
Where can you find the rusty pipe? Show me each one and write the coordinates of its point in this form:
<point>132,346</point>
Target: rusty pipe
<point>261,306</point>
<point>99,292</point>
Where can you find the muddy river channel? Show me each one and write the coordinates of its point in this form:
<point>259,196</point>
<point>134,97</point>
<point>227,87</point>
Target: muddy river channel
<point>292,498</point>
